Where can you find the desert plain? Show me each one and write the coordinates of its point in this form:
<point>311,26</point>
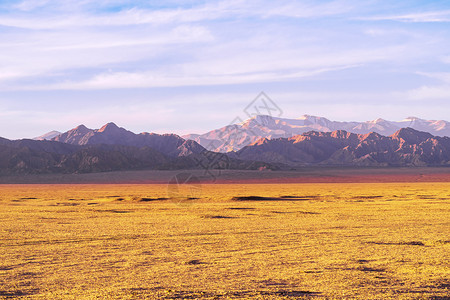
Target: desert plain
<point>249,240</point>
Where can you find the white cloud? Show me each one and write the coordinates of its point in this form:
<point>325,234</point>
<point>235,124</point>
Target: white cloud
<point>74,42</point>
<point>428,93</point>
<point>29,5</point>
<point>190,54</point>
<point>149,80</point>
<point>441,76</point>
<point>122,18</point>
<point>58,53</point>
<point>142,47</point>
<point>138,16</point>
<point>238,67</point>
<point>421,17</point>
<point>68,47</point>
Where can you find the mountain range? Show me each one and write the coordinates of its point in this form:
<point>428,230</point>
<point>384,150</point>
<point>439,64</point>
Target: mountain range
<point>112,148</point>
<point>110,134</point>
<point>236,136</point>
<point>406,147</point>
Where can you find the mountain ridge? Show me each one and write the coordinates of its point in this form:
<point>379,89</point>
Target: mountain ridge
<point>111,134</point>
<point>406,147</point>
<point>113,148</point>
<point>236,136</point>
<point>110,148</point>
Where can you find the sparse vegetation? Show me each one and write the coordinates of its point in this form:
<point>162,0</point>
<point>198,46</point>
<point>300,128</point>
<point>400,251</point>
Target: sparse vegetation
<point>366,241</point>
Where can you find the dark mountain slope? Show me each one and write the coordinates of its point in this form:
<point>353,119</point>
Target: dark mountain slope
<point>406,147</point>
<point>111,134</point>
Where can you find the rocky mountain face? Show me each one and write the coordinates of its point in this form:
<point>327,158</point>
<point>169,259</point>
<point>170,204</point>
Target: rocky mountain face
<point>235,137</point>
<point>110,134</point>
<point>406,147</point>
<point>15,158</point>
<point>110,148</point>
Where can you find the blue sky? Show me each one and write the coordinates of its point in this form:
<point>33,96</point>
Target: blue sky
<point>191,66</point>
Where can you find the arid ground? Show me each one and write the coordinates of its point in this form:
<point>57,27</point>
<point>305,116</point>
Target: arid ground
<point>303,175</point>
<point>215,241</point>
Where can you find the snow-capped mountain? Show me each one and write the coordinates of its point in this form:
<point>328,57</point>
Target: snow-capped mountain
<point>235,137</point>
<point>271,143</point>
<point>47,136</point>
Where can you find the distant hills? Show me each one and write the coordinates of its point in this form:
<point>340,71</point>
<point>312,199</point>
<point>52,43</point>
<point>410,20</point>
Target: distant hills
<point>235,137</point>
<point>261,141</point>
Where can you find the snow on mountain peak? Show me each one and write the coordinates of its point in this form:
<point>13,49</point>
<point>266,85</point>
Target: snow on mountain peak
<point>241,135</point>
<point>47,136</point>
<point>412,119</point>
<point>377,121</point>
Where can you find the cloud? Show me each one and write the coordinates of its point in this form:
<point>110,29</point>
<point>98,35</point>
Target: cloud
<point>421,17</point>
<point>123,18</point>
<point>432,92</point>
<point>29,5</point>
<point>185,53</point>
<point>84,41</point>
<point>215,10</point>
<point>121,80</point>
<point>57,55</point>
<point>115,49</point>
<point>427,93</point>
<point>242,66</point>
<point>441,76</point>
<point>87,44</point>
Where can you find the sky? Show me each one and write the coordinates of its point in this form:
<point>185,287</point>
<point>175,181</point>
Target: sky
<point>192,66</point>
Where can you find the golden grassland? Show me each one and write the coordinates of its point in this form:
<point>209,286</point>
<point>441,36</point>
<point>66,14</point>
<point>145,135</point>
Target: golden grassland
<point>331,241</point>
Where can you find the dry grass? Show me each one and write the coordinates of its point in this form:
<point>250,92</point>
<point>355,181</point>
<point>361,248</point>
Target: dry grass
<point>332,241</point>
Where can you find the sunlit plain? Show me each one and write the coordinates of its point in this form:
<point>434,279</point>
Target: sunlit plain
<point>334,241</point>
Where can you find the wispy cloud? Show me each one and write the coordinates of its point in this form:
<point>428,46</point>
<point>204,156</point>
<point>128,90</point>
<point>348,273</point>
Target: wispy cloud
<point>427,93</point>
<point>30,5</point>
<point>89,43</point>
<point>213,10</point>
<point>120,80</point>
<point>249,65</point>
<point>48,54</point>
<point>108,48</point>
<point>446,59</point>
<point>442,76</point>
<point>441,90</point>
<point>420,17</point>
